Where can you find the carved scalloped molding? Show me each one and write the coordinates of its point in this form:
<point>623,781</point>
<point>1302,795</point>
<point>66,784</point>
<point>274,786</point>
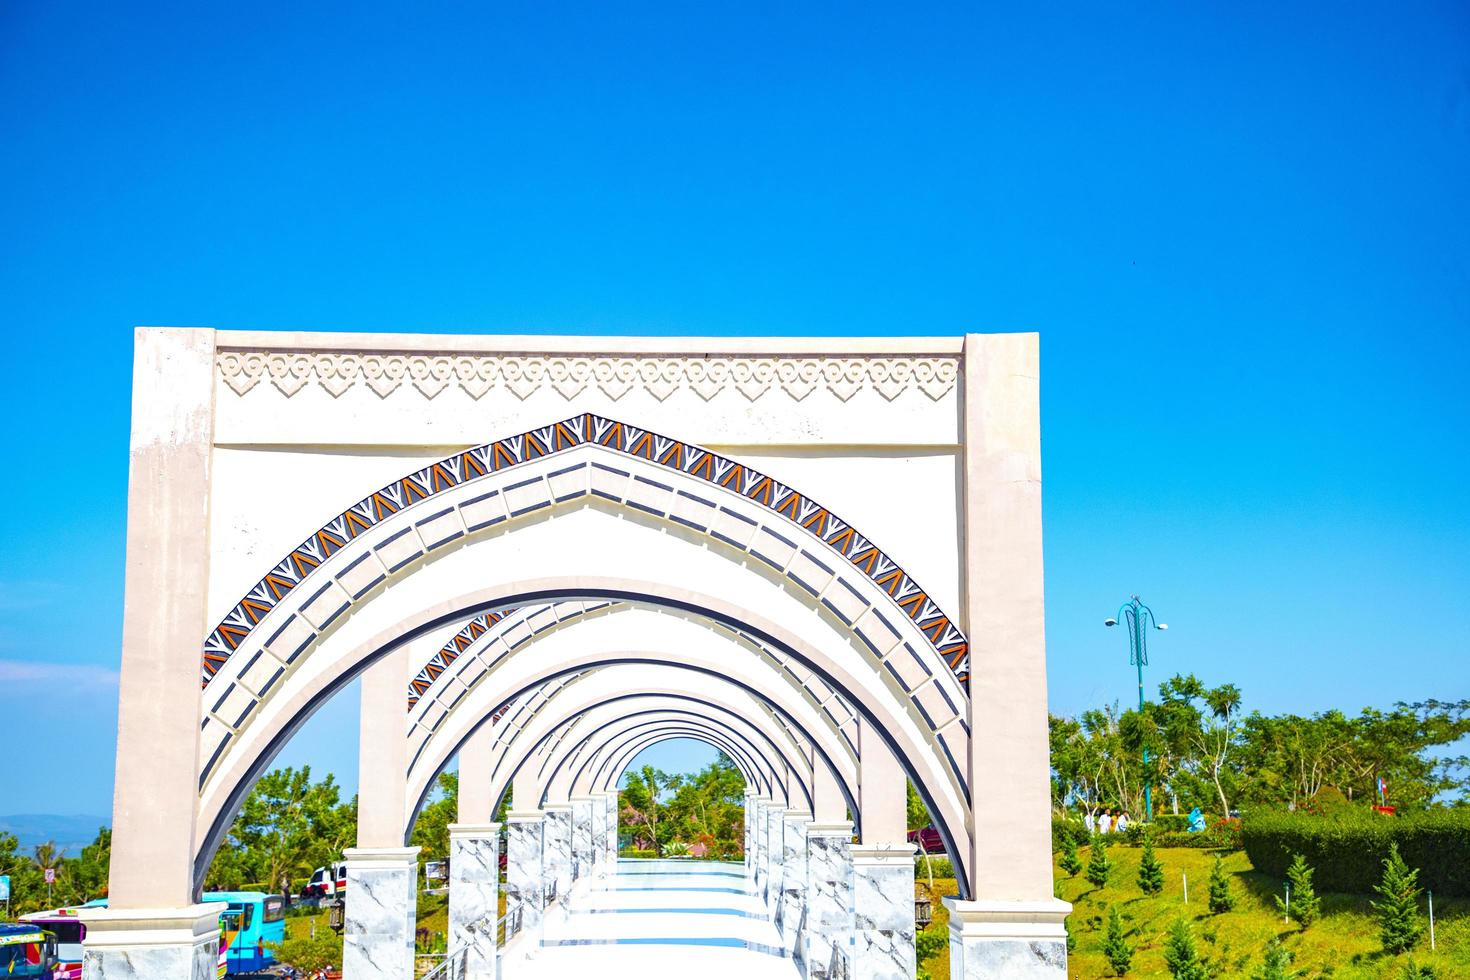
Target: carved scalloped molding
<point>568,376</point>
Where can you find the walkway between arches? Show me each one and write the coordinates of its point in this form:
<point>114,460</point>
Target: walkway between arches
<point>659,918</point>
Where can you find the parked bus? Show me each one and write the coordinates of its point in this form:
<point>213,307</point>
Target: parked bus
<point>251,920</point>
<point>69,931</point>
<point>26,950</point>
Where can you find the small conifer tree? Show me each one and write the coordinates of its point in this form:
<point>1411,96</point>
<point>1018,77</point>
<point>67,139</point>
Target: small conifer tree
<point>1398,911</point>
<point>1181,956</point>
<point>1070,862</point>
<point>1305,906</point>
<point>1276,964</point>
<point>1114,946</point>
<point>1150,869</point>
<point>1099,868</point>
<point>1221,898</point>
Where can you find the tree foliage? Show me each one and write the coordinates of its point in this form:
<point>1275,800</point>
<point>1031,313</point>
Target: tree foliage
<point>1302,902</point>
<point>704,808</point>
<point>1222,899</point>
<point>78,879</point>
<point>1150,869</point>
<point>289,825</point>
<point>1180,954</point>
<point>1099,868</point>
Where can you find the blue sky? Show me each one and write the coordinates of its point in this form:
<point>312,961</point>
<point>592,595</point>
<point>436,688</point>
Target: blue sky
<point>1243,232</point>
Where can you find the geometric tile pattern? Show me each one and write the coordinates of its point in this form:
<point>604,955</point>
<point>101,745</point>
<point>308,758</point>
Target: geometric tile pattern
<point>811,517</point>
<point>451,651</point>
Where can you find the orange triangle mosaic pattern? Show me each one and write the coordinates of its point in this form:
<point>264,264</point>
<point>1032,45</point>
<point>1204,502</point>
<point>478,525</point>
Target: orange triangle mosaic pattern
<point>579,430</point>
<point>451,652</point>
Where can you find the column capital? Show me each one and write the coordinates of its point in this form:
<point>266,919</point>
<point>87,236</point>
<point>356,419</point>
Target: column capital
<point>879,854</point>
<point>842,828</point>
<point>370,858</point>
<point>117,928</point>
<point>473,830</point>
<point>525,816</point>
<point>1024,921</point>
<point>556,807</point>
<point>798,815</point>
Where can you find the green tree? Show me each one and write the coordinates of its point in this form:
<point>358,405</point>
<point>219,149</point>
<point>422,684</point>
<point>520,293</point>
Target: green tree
<point>1099,868</point>
<point>431,827</point>
<point>288,825</point>
<point>1303,903</point>
<point>1203,722</point>
<point>918,819</point>
<point>1276,964</point>
<point>1115,947</point>
<point>640,804</point>
<point>1398,906</point>
<point>1070,861</point>
<point>1221,898</point>
<point>1180,954</point>
<point>1150,869</point>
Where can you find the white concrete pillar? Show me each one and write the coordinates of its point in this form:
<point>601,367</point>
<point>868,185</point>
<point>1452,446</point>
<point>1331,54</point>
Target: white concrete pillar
<point>758,828</point>
<point>525,879</point>
<point>557,856</point>
<point>883,868</point>
<point>474,895</point>
<point>829,896</point>
<point>382,874</point>
<point>828,804</point>
<point>153,919</point>
<point>793,876</point>
<point>582,829</point>
<point>1013,927</point>
<point>599,829</point>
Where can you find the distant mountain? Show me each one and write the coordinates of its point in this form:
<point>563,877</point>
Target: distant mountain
<point>72,832</point>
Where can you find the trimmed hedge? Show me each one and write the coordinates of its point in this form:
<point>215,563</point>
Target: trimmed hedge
<point>1347,848</point>
<point>942,867</point>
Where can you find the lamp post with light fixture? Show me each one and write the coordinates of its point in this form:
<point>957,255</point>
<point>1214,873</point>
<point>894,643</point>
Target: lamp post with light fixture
<point>1139,617</point>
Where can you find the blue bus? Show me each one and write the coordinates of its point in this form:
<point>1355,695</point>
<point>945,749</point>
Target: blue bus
<point>251,920</point>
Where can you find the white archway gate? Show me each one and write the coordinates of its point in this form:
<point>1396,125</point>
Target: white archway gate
<point>311,508</point>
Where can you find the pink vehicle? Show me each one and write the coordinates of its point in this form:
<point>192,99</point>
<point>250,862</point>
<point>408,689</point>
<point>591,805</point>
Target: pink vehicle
<point>67,926</point>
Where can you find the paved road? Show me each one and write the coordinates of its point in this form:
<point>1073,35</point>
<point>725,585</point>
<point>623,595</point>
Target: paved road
<point>652,919</point>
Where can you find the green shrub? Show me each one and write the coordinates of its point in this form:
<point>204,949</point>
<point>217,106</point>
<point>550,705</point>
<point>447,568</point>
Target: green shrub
<point>1180,954</point>
<point>1277,963</point>
<point>943,867</point>
<point>1221,898</point>
<point>1348,847</point>
<point>637,852</point>
<point>1070,861</point>
<point>1115,947</point>
<point>1098,865</point>
<point>310,953</point>
<point>1064,829</point>
<point>1301,901</point>
<point>1150,870</point>
<point>929,943</point>
<point>1398,908</point>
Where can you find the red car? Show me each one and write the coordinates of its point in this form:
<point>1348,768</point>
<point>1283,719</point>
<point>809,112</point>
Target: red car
<point>928,840</point>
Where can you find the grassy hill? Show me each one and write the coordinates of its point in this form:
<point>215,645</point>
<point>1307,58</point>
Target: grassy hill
<point>1343,945</point>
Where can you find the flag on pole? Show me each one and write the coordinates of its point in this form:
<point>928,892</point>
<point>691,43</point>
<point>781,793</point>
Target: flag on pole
<point>1383,791</point>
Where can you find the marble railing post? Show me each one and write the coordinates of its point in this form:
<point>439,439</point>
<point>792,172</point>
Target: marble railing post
<point>581,837</point>
<point>525,877</point>
<point>599,830</point>
<point>557,855</point>
<point>382,891</point>
<point>758,839</point>
<point>775,859</point>
<point>883,912</point>
<point>793,880</point>
<point>474,895</point>
<point>749,840</point>
<point>382,874</point>
<point>828,896</point>
<point>612,827</point>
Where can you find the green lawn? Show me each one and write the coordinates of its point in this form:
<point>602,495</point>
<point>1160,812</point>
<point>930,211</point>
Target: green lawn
<point>1342,945</point>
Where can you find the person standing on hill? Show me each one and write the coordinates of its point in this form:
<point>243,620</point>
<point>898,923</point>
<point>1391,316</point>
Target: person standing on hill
<point>1105,822</point>
<point>1122,823</point>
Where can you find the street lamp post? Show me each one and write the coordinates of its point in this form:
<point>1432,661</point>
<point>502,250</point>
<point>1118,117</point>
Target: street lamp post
<point>1139,617</point>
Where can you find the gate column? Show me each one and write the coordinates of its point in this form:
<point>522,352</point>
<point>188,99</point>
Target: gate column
<point>1013,927</point>
<point>525,874</point>
<point>153,926</point>
<point>382,874</point>
<point>793,877</point>
<point>883,868</point>
<point>828,876</point>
